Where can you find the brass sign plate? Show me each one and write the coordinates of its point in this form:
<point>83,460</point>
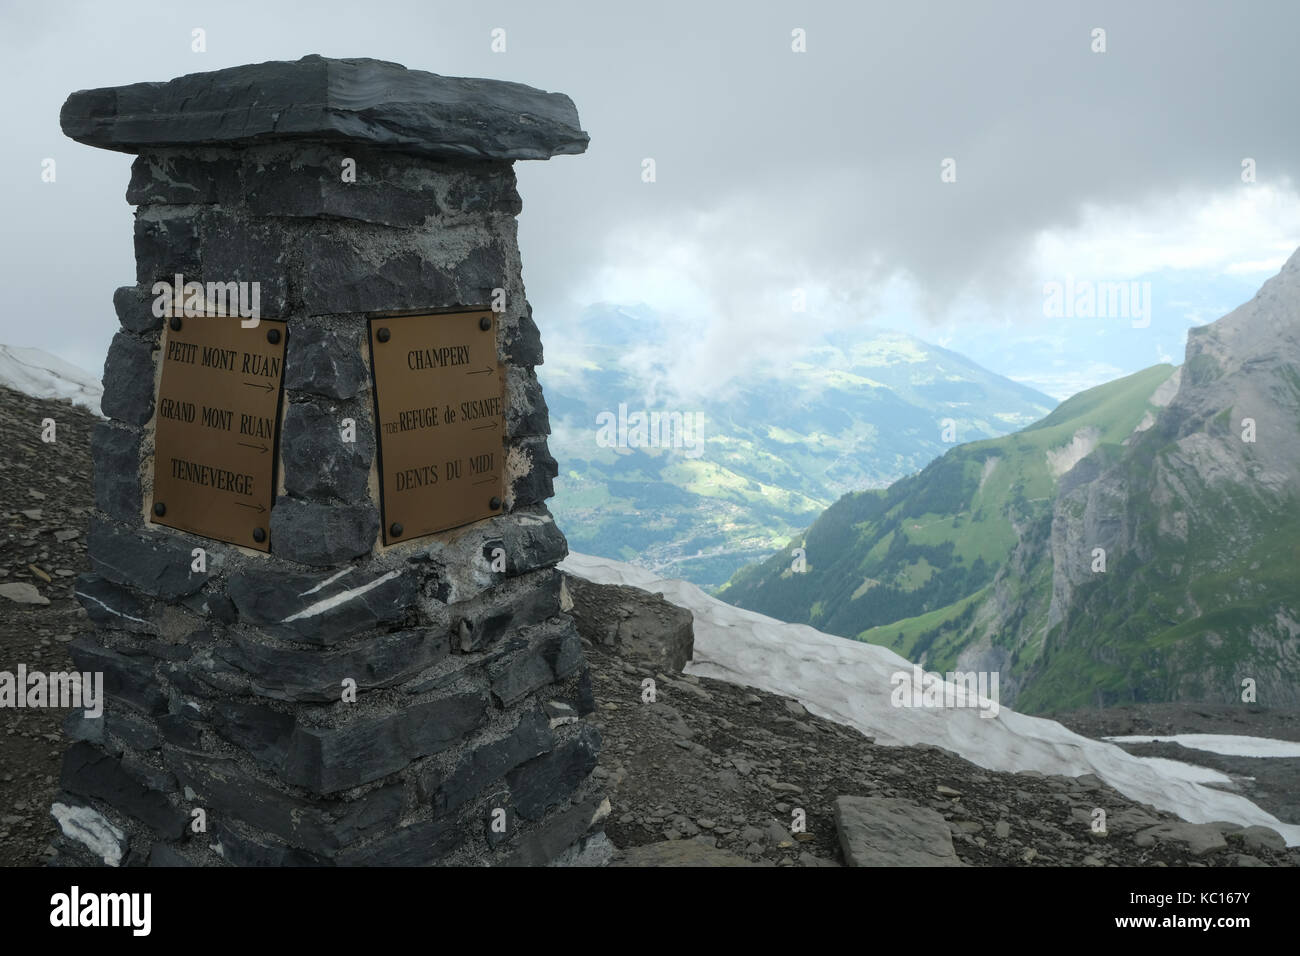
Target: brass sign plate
<point>440,407</point>
<point>217,423</point>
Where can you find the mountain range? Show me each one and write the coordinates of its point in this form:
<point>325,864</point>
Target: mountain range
<point>776,444</point>
<point>1137,544</point>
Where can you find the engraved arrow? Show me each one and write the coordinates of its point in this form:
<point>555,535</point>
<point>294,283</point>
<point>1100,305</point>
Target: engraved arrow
<point>266,385</point>
<point>480,371</point>
<point>484,481</point>
<point>263,448</point>
<point>259,507</point>
<point>477,427</point>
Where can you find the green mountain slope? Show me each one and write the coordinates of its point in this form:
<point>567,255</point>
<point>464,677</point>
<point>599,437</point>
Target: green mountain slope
<point>1141,542</point>
<point>1200,523</point>
<point>905,560</point>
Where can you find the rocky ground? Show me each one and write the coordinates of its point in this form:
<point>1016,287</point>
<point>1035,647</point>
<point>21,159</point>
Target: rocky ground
<point>1273,782</point>
<point>712,774</point>
<point>45,491</point>
<point>707,773</point>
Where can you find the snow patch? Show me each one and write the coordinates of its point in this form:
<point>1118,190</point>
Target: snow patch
<point>42,375</point>
<point>850,682</point>
<point>1230,745</point>
<point>91,828</point>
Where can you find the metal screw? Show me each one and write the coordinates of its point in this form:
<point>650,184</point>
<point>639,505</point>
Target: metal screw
<point>485,323</point>
<point>273,336</point>
<point>176,323</point>
<point>259,535</point>
<point>383,335</point>
<point>395,530</point>
<point>494,504</point>
<point>159,508</point>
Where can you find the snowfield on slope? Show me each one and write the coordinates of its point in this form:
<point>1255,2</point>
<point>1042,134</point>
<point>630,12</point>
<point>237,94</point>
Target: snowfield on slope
<point>851,683</point>
<point>1230,745</point>
<point>42,375</point>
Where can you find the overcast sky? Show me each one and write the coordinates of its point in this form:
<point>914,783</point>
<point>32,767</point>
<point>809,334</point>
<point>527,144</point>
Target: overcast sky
<point>775,170</point>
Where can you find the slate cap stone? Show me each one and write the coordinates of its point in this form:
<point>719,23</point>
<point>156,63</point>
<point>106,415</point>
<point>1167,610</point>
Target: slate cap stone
<point>323,99</point>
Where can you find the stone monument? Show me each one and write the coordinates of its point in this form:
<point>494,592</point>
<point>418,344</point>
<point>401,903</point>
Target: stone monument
<point>323,574</point>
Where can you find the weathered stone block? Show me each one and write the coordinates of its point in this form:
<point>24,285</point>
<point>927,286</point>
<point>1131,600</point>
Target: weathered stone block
<point>519,674</point>
<point>523,344</point>
<point>151,777</point>
<point>557,834</point>
<point>128,680</point>
<point>326,760</point>
<point>90,772</point>
<point>419,844</point>
<point>648,629</point>
<point>322,535</point>
<point>262,732</point>
<point>321,609</point>
<point>164,247</point>
<point>135,732</point>
<point>313,826</point>
<point>490,762</point>
<point>115,453</point>
<point>535,485</point>
<point>532,540</point>
<point>157,565</point>
<point>519,602</point>
<point>526,411</point>
<point>341,276</point>
<point>317,676</point>
<point>318,462</point>
<point>339,100</point>
<point>128,380</point>
<point>329,759</point>
<point>324,362</point>
<point>312,186</point>
<point>551,653</point>
<point>112,606</point>
<point>239,849</point>
<point>236,250</point>
<point>552,778</point>
<point>180,730</point>
<point>166,855</point>
<point>134,307</point>
<point>180,178</point>
<point>484,188</point>
<point>563,652</point>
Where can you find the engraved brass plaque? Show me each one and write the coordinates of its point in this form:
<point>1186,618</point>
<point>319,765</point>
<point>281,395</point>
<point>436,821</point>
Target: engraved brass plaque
<point>217,424</point>
<point>440,408</point>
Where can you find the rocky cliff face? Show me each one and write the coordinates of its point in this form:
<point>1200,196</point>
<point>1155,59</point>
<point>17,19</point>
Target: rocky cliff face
<point>1197,520</point>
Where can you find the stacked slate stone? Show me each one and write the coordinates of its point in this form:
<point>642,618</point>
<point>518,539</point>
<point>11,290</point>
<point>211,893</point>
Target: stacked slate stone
<point>225,686</point>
